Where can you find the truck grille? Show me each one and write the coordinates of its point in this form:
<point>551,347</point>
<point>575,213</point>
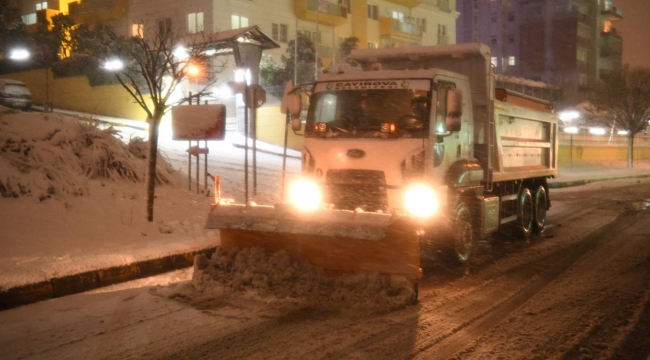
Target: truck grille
<point>352,189</point>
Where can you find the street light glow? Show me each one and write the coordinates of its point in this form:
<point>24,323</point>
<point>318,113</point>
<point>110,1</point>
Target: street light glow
<point>597,131</point>
<point>113,65</point>
<point>568,116</point>
<point>181,53</point>
<point>19,54</point>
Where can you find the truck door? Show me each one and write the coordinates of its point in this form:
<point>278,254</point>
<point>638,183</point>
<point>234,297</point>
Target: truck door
<point>449,146</point>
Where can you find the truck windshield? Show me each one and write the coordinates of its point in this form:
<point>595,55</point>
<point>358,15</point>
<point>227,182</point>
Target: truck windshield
<point>383,113</point>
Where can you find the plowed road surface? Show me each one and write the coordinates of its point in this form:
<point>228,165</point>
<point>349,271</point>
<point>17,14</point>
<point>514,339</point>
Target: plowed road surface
<point>580,290</point>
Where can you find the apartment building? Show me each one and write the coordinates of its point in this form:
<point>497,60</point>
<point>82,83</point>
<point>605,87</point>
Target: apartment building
<point>377,23</point>
<point>568,43</point>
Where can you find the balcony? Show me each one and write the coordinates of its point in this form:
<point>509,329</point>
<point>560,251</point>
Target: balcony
<point>96,11</point>
<point>611,44</point>
<point>400,30</point>
<point>408,3</point>
<point>327,13</point>
<point>612,13</point>
<point>582,18</point>
<point>584,42</point>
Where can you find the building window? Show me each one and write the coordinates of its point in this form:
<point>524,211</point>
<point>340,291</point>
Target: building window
<point>311,35</point>
<point>280,32</point>
<point>194,22</point>
<point>372,45</point>
<point>345,3</point>
<point>137,30</point>
<point>284,31</point>
<point>511,39</point>
<point>237,21</point>
<point>494,61</point>
<point>398,15</point>
<point>373,12</point>
<point>442,29</point>
<point>493,40</point>
<point>511,61</point>
<point>41,5</point>
<point>493,18</point>
<point>164,26</point>
<point>275,32</point>
<point>29,19</point>
<point>422,23</point>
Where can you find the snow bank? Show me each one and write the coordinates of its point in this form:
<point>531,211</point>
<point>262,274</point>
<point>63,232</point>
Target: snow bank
<point>279,275</point>
<point>44,155</point>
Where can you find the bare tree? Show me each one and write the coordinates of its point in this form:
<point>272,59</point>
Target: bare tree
<point>154,66</point>
<point>623,99</point>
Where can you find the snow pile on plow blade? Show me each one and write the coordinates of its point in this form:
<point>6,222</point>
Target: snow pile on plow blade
<point>338,241</point>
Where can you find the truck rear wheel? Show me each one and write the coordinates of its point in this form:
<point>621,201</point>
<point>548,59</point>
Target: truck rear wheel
<point>525,213</point>
<point>540,205</point>
<point>463,233</point>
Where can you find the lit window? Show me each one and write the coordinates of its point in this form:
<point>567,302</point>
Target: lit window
<point>372,45</point>
<point>511,61</point>
<point>494,61</point>
<point>194,22</point>
<point>398,15</point>
<point>41,5</point>
<point>137,30</point>
<point>29,19</point>
<point>237,21</point>
<point>607,26</point>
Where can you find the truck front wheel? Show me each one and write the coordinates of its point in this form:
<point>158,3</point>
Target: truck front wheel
<point>525,213</point>
<point>463,233</point>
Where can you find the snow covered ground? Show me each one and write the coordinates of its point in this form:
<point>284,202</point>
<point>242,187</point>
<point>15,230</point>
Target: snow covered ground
<point>578,291</point>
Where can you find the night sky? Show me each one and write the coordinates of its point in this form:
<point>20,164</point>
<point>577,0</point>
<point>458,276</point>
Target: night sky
<point>635,30</point>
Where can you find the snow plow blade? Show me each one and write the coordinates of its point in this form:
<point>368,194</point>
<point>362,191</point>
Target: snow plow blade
<point>338,241</point>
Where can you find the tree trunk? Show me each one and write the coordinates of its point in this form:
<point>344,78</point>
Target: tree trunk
<point>154,124</point>
<point>630,151</point>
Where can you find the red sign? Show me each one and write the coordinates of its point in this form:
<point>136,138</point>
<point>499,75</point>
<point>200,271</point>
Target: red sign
<point>199,122</point>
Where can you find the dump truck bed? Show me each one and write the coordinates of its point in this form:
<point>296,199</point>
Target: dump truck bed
<point>524,143</point>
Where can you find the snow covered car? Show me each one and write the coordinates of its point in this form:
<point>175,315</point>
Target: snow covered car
<point>14,93</point>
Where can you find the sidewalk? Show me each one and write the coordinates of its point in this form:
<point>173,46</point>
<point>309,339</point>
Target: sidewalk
<point>585,173</point>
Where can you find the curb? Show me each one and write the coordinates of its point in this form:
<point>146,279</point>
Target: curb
<point>240,146</point>
<point>77,283</point>
<point>559,185</point>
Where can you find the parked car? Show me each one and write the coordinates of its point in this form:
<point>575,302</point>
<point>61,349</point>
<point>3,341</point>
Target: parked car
<point>14,93</point>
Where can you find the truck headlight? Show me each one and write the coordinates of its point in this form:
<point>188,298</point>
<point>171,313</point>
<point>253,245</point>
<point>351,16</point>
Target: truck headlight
<point>421,201</point>
<point>305,195</point>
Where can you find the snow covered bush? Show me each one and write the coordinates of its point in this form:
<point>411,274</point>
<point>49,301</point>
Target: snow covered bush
<point>43,155</point>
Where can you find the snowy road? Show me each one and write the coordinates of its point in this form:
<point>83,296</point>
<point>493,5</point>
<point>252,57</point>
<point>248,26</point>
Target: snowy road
<point>581,290</point>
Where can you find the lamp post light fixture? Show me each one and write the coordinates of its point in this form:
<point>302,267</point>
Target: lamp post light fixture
<point>19,54</point>
<point>113,65</point>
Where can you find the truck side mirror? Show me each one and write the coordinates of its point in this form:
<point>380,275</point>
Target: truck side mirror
<point>454,110</point>
<point>291,100</point>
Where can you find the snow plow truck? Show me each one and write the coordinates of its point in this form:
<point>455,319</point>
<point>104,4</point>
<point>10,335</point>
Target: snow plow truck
<point>414,142</point>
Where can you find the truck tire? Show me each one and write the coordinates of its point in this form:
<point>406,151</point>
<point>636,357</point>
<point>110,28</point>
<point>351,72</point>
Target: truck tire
<point>525,213</point>
<point>540,202</point>
<point>463,231</point>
